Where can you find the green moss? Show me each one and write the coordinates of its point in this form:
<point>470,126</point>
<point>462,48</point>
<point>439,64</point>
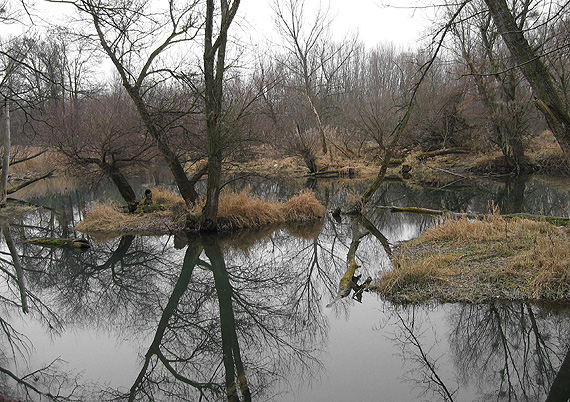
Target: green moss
<point>147,209</point>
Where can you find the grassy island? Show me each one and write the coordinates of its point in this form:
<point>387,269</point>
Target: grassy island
<point>168,214</point>
<point>482,260</point>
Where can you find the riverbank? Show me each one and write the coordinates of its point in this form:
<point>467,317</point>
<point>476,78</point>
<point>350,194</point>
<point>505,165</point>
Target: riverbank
<point>482,260</point>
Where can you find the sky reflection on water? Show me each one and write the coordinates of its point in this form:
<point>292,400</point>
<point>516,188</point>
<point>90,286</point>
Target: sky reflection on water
<point>217,314</point>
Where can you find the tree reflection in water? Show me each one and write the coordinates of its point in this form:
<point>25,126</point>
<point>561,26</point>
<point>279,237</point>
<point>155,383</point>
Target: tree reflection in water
<point>515,352</point>
<point>225,330</point>
<point>219,329</point>
<point>49,381</point>
<point>242,317</point>
<point>508,351</point>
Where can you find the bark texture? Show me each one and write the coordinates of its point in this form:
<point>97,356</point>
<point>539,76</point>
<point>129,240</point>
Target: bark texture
<point>536,72</point>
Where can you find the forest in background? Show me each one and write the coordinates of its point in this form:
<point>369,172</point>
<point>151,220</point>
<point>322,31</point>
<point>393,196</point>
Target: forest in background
<point>117,85</point>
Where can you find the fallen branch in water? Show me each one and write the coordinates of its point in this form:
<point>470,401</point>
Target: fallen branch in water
<point>556,220</point>
<point>324,173</point>
<point>27,183</point>
<point>439,152</point>
<point>59,243</point>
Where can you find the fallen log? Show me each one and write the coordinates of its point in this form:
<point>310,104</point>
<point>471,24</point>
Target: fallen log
<point>323,173</point>
<point>31,181</point>
<point>446,151</point>
<point>346,172</point>
<point>60,243</point>
<point>555,220</point>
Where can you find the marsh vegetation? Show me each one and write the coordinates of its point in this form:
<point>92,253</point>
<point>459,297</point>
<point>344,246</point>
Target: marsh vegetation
<point>238,201</point>
<point>483,260</point>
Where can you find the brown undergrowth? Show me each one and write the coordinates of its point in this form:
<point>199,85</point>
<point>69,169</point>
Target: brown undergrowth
<point>168,214</point>
<point>494,258</point>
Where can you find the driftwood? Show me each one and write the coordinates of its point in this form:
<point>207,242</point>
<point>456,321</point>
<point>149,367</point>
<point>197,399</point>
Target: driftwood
<point>446,151</point>
<point>31,181</point>
<point>323,173</point>
<point>331,173</point>
<point>60,243</point>
<point>555,220</point>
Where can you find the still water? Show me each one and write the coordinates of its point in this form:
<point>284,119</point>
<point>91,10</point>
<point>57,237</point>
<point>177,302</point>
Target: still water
<point>243,317</point>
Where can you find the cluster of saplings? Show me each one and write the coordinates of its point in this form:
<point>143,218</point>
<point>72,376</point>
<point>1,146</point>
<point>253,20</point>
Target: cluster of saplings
<point>124,87</point>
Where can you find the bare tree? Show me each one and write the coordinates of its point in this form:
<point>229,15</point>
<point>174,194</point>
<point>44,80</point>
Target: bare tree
<point>303,42</point>
<point>548,99</point>
<point>12,61</point>
<point>499,85</point>
<point>135,35</point>
<point>214,68</point>
<point>6,156</point>
<point>376,88</point>
<point>402,123</point>
<point>103,135</point>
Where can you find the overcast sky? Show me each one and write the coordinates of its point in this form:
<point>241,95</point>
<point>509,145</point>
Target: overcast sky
<point>371,19</point>
<point>373,22</point>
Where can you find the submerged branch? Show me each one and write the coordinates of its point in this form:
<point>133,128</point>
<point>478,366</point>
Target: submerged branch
<point>555,220</point>
<point>31,181</point>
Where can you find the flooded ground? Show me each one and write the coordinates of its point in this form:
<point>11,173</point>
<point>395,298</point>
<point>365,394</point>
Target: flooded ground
<point>244,317</point>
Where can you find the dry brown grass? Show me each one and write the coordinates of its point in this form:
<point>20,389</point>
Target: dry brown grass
<point>302,207</point>
<point>438,268</point>
<point>106,220</point>
<point>237,210</point>
<point>243,210</point>
<point>481,260</point>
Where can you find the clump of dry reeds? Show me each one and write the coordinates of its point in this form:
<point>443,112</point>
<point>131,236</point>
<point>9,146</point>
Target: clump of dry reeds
<point>167,214</point>
<point>238,210</point>
<point>424,270</point>
<point>108,219</point>
<point>484,259</point>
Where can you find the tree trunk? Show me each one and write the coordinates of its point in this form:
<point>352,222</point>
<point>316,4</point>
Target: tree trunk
<point>21,280</point>
<point>213,108</point>
<point>547,99</point>
<point>122,185</point>
<point>214,66</point>
<point>6,157</point>
<point>185,186</point>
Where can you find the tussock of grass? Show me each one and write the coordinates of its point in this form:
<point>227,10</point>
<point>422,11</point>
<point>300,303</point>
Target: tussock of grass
<point>482,260</point>
<point>236,211</point>
<point>243,210</point>
<point>424,270</point>
<point>105,219</point>
<point>302,207</point>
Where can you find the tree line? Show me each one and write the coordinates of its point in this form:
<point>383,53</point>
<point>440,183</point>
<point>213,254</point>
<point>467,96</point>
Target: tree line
<point>124,83</point>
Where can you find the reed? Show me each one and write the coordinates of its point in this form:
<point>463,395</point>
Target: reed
<point>240,210</point>
<point>237,210</point>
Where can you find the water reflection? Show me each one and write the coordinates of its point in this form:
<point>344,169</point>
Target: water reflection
<point>243,317</point>
<point>513,351</point>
